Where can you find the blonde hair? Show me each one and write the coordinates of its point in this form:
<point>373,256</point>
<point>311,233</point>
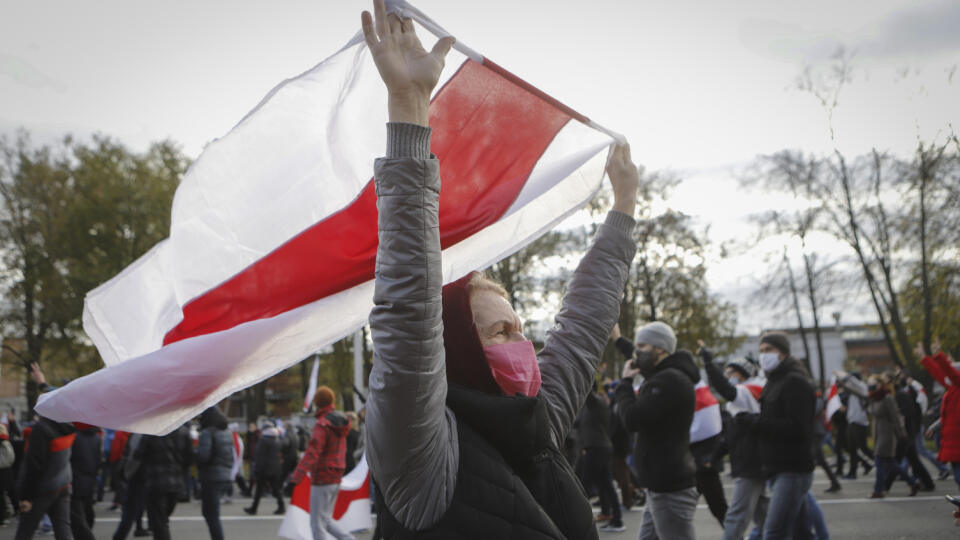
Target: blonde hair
<point>480,282</point>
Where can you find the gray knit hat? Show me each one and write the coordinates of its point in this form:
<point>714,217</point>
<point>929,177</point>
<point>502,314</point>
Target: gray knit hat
<point>777,340</point>
<point>659,335</point>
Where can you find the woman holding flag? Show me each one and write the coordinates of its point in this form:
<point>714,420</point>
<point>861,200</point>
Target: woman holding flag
<point>464,419</point>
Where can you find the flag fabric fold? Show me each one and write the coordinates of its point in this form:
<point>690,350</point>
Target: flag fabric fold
<point>351,511</point>
<point>273,231</point>
<point>707,421</point>
<point>312,389</point>
<point>833,401</point>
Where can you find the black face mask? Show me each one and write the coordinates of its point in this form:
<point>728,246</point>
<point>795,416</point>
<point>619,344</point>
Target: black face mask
<point>645,361</point>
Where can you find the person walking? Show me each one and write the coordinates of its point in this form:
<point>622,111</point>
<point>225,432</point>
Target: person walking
<point>268,469</point>
<point>906,454</point>
<point>819,439</point>
<point>784,428</point>
<point>594,432</point>
<point>85,458</point>
<point>215,465</point>
<point>45,477</point>
<point>888,428</point>
<point>944,372</point>
<point>858,424</point>
<point>132,487</point>
<point>165,459</point>
<point>324,460</point>
<point>741,386</point>
<point>464,429</point>
<point>661,414</point>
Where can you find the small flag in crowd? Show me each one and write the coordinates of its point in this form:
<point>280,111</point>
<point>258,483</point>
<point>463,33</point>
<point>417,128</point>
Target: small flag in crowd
<point>273,234</point>
<point>833,400</point>
<point>312,389</point>
<point>351,511</point>
<point>707,421</point>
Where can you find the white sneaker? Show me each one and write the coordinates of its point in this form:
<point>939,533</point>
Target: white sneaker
<point>610,527</point>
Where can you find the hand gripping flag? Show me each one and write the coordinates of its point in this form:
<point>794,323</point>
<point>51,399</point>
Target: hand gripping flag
<point>351,511</point>
<point>273,232</point>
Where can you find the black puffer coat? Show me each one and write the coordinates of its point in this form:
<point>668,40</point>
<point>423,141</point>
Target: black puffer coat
<point>215,448</point>
<point>85,460</point>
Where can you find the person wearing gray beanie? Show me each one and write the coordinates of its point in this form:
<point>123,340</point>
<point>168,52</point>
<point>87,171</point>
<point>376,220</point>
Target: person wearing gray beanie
<point>659,335</point>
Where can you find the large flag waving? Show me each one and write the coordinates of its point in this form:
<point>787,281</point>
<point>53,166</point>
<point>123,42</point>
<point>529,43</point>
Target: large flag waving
<point>351,511</point>
<point>273,231</point>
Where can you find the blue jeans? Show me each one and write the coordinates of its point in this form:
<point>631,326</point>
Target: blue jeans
<point>748,501</point>
<point>815,518</point>
<point>923,451</point>
<point>788,492</point>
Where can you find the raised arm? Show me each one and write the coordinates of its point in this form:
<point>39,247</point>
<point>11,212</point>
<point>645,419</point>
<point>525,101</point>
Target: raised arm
<point>591,306</point>
<point>412,448</point>
<point>715,375</point>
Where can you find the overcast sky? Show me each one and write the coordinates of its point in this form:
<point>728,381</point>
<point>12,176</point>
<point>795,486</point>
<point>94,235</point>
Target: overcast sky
<point>698,87</point>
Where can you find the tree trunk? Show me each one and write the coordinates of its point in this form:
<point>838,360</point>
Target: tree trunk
<point>816,319</point>
<point>796,309</point>
<point>924,263</point>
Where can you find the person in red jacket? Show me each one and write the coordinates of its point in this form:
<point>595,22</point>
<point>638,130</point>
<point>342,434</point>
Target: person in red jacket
<point>942,371</point>
<point>324,461</point>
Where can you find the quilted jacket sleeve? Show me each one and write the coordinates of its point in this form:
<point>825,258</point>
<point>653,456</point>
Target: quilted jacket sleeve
<point>590,308</point>
<point>412,437</point>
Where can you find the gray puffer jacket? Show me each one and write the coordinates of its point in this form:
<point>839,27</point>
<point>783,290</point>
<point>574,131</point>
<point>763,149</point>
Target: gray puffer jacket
<point>413,446</point>
<point>215,448</point>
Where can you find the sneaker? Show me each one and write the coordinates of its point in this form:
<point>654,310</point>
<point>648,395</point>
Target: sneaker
<point>611,527</point>
<point>943,474</point>
<point>867,468</point>
<point>850,477</point>
<point>250,511</point>
<point>914,489</point>
<point>279,512</point>
<point>833,489</point>
<point>877,495</point>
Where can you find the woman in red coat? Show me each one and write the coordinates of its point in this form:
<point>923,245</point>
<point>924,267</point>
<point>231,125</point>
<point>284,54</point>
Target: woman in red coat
<point>942,371</point>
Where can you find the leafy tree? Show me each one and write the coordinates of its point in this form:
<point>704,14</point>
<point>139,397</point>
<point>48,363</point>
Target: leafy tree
<point>73,215</point>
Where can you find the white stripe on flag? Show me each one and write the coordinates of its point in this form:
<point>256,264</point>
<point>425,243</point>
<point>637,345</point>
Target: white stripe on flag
<point>301,156</point>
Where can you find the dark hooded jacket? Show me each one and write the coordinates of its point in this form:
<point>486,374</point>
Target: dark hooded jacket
<point>268,458</point>
<point>215,447</point>
<point>784,426</point>
<point>85,459</point>
<point>46,460</point>
<point>165,459</point>
<point>661,414</point>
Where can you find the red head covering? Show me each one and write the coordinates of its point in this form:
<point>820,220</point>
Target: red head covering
<point>466,363</point>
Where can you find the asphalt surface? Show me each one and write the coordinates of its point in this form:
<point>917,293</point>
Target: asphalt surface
<point>849,514</point>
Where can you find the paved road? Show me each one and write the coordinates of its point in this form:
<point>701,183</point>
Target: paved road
<point>850,515</point>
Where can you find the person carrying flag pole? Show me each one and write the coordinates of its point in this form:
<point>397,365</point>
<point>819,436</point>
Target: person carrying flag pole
<point>464,418</point>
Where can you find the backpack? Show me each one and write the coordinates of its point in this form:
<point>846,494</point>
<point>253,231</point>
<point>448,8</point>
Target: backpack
<point>7,456</point>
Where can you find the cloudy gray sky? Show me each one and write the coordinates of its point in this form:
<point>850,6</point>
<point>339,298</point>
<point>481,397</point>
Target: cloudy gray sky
<point>698,87</point>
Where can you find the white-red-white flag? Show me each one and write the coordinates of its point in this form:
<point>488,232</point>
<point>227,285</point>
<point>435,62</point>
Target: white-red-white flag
<point>237,452</point>
<point>273,232</point>
<point>312,389</point>
<point>351,511</point>
<point>707,421</point>
<point>833,400</point>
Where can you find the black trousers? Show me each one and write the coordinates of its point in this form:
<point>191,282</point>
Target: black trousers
<point>159,507</point>
<point>906,449</point>
<point>597,461</point>
<point>856,443</point>
<point>273,483</point>
<point>710,486</point>
<point>81,517</point>
<point>57,506</point>
<point>822,462</point>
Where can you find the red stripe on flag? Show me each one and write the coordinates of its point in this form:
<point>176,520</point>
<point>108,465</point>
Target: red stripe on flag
<point>344,498</point>
<point>756,390</point>
<point>705,398</point>
<point>301,495</point>
<point>488,132</point>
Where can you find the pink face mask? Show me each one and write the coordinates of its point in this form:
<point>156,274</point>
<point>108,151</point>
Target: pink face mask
<point>514,367</point>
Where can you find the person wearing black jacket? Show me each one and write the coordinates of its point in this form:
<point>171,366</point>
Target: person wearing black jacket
<point>738,384</point>
<point>165,459</point>
<point>45,476</point>
<point>661,414</point>
<point>906,398</point>
<point>214,462</point>
<point>784,428</point>
<point>594,433</point>
<point>85,459</point>
<point>268,469</point>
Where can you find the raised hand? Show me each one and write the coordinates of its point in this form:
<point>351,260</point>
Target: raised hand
<point>935,347</point>
<point>918,350</point>
<point>625,179</point>
<point>37,374</point>
<point>407,69</point>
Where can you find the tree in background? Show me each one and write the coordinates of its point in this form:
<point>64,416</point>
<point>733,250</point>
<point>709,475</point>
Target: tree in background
<point>73,215</point>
